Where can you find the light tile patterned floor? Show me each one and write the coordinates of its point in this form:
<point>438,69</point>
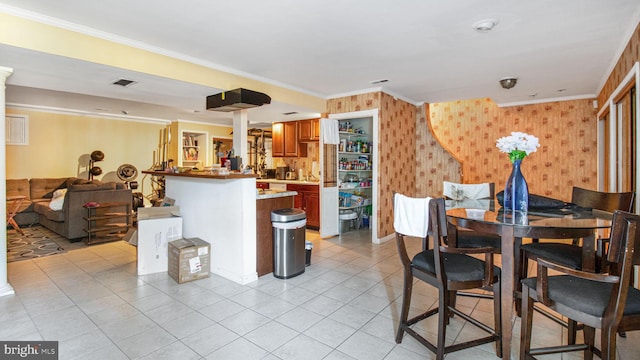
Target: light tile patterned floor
<point>345,306</point>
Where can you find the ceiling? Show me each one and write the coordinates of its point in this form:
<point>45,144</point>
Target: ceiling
<point>428,51</point>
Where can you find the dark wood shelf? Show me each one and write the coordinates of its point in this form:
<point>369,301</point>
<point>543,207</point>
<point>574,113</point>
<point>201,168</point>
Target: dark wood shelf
<point>107,222</point>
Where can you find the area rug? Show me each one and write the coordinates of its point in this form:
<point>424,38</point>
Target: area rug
<point>36,242</point>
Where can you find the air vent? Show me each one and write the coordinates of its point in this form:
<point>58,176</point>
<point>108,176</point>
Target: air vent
<point>290,113</point>
<point>123,82</point>
<point>375,82</point>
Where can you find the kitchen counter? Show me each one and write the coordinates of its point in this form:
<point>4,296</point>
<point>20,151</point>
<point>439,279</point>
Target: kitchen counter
<point>203,175</point>
<point>271,194</point>
<point>299,182</point>
<point>220,210</point>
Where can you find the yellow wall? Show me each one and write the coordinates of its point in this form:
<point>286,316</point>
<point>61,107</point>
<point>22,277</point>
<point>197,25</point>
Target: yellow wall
<point>59,145</point>
<point>178,127</point>
<point>32,35</point>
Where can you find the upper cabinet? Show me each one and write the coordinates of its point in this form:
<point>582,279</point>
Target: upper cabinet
<point>285,143</point>
<point>309,130</point>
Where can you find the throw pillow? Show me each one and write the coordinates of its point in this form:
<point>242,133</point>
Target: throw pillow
<point>57,201</point>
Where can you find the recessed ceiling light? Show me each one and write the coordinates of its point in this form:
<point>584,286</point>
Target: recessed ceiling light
<point>562,90</point>
<point>123,82</point>
<point>290,113</point>
<point>533,95</point>
<point>485,25</point>
<point>374,82</point>
<point>125,112</point>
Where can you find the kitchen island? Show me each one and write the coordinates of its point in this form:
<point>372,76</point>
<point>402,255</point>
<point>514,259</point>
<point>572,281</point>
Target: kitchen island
<point>220,209</point>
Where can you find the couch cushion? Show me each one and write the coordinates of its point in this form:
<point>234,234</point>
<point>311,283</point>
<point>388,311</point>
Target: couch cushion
<point>19,187</point>
<point>93,186</point>
<point>43,188</point>
<point>43,208</point>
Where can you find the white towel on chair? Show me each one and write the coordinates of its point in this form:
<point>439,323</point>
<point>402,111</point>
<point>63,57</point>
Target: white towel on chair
<point>411,215</point>
<point>466,191</point>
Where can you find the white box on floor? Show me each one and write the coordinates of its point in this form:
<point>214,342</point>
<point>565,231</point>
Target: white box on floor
<point>157,226</point>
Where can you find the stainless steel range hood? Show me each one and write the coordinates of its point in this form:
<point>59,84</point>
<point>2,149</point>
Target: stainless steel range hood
<point>237,99</point>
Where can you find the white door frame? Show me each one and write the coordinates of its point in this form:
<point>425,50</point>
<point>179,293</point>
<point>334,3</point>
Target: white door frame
<point>373,114</point>
<point>615,132</point>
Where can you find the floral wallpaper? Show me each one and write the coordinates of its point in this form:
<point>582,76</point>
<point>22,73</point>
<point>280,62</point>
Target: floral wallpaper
<point>566,130</point>
<point>628,58</point>
<point>434,164</point>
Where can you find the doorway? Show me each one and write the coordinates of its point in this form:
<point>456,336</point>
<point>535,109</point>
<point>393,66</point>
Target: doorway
<point>618,126</point>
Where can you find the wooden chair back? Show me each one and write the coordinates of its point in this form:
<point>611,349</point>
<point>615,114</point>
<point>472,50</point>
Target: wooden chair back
<point>605,201</point>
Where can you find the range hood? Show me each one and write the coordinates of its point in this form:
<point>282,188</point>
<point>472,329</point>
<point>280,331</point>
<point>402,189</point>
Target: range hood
<point>237,99</point>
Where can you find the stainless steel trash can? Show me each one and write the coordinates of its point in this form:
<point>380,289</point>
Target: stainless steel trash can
<point>289,252</point>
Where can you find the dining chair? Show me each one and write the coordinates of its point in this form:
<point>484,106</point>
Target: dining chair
<point>607,302</point>
<point>570,255</point>
<point>447,268</point>
<point>469,238</point>
<point>466,238</point>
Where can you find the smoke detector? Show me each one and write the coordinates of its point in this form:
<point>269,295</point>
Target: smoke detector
<point>485,25</point>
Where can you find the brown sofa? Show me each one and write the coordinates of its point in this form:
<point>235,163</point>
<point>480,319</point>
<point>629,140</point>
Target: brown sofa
<point>69,221</point>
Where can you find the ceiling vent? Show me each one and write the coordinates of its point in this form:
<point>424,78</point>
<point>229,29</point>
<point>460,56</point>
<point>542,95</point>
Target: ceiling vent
<point>123,82</point>
<point>238,99</point>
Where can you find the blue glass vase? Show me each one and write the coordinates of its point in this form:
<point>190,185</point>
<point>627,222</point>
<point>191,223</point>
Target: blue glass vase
<point>516,191</point>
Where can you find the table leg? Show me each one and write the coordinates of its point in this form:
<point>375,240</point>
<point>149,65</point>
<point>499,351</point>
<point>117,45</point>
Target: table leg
<point>507,288</point>
<point>11,213</point>
<point>588,253</point>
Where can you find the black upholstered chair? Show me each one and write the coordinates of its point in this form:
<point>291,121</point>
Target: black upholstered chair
<point>570,255</point>
<point>466,238</point>
<point>599,301</point>
<point>449,269</point>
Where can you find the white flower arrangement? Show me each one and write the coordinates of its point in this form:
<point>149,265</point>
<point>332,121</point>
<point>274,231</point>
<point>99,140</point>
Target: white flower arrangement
<point>518,145</point>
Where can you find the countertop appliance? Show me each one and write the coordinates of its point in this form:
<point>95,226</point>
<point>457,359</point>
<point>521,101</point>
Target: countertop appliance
<point>291,175</point>
<point>281,172</point>
<point>271,173</point>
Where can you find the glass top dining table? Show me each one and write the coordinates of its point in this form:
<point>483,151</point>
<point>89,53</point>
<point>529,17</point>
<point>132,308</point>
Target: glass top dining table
<point>487,216</point>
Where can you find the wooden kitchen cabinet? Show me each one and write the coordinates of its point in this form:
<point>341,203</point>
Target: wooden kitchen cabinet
<point>309,130</point>
<point>277,140</point>
<point>284,137</point>
<point>308,199</point>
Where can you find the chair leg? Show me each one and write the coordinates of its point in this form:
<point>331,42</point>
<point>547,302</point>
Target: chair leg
<point>452,303</point>
<point>497,317</point>
<point>608,342</point>
<point>526,323</point>
<point>443,321</point>
<point>572,329</point>
<point>406,303</point>
<point>590,341</point>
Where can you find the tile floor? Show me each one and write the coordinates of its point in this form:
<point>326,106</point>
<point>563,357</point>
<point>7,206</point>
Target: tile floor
<point>345,306</point>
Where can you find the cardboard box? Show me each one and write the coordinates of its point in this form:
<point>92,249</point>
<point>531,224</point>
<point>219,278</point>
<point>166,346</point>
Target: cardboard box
<point>157,226</point>
<point>189,259</point>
